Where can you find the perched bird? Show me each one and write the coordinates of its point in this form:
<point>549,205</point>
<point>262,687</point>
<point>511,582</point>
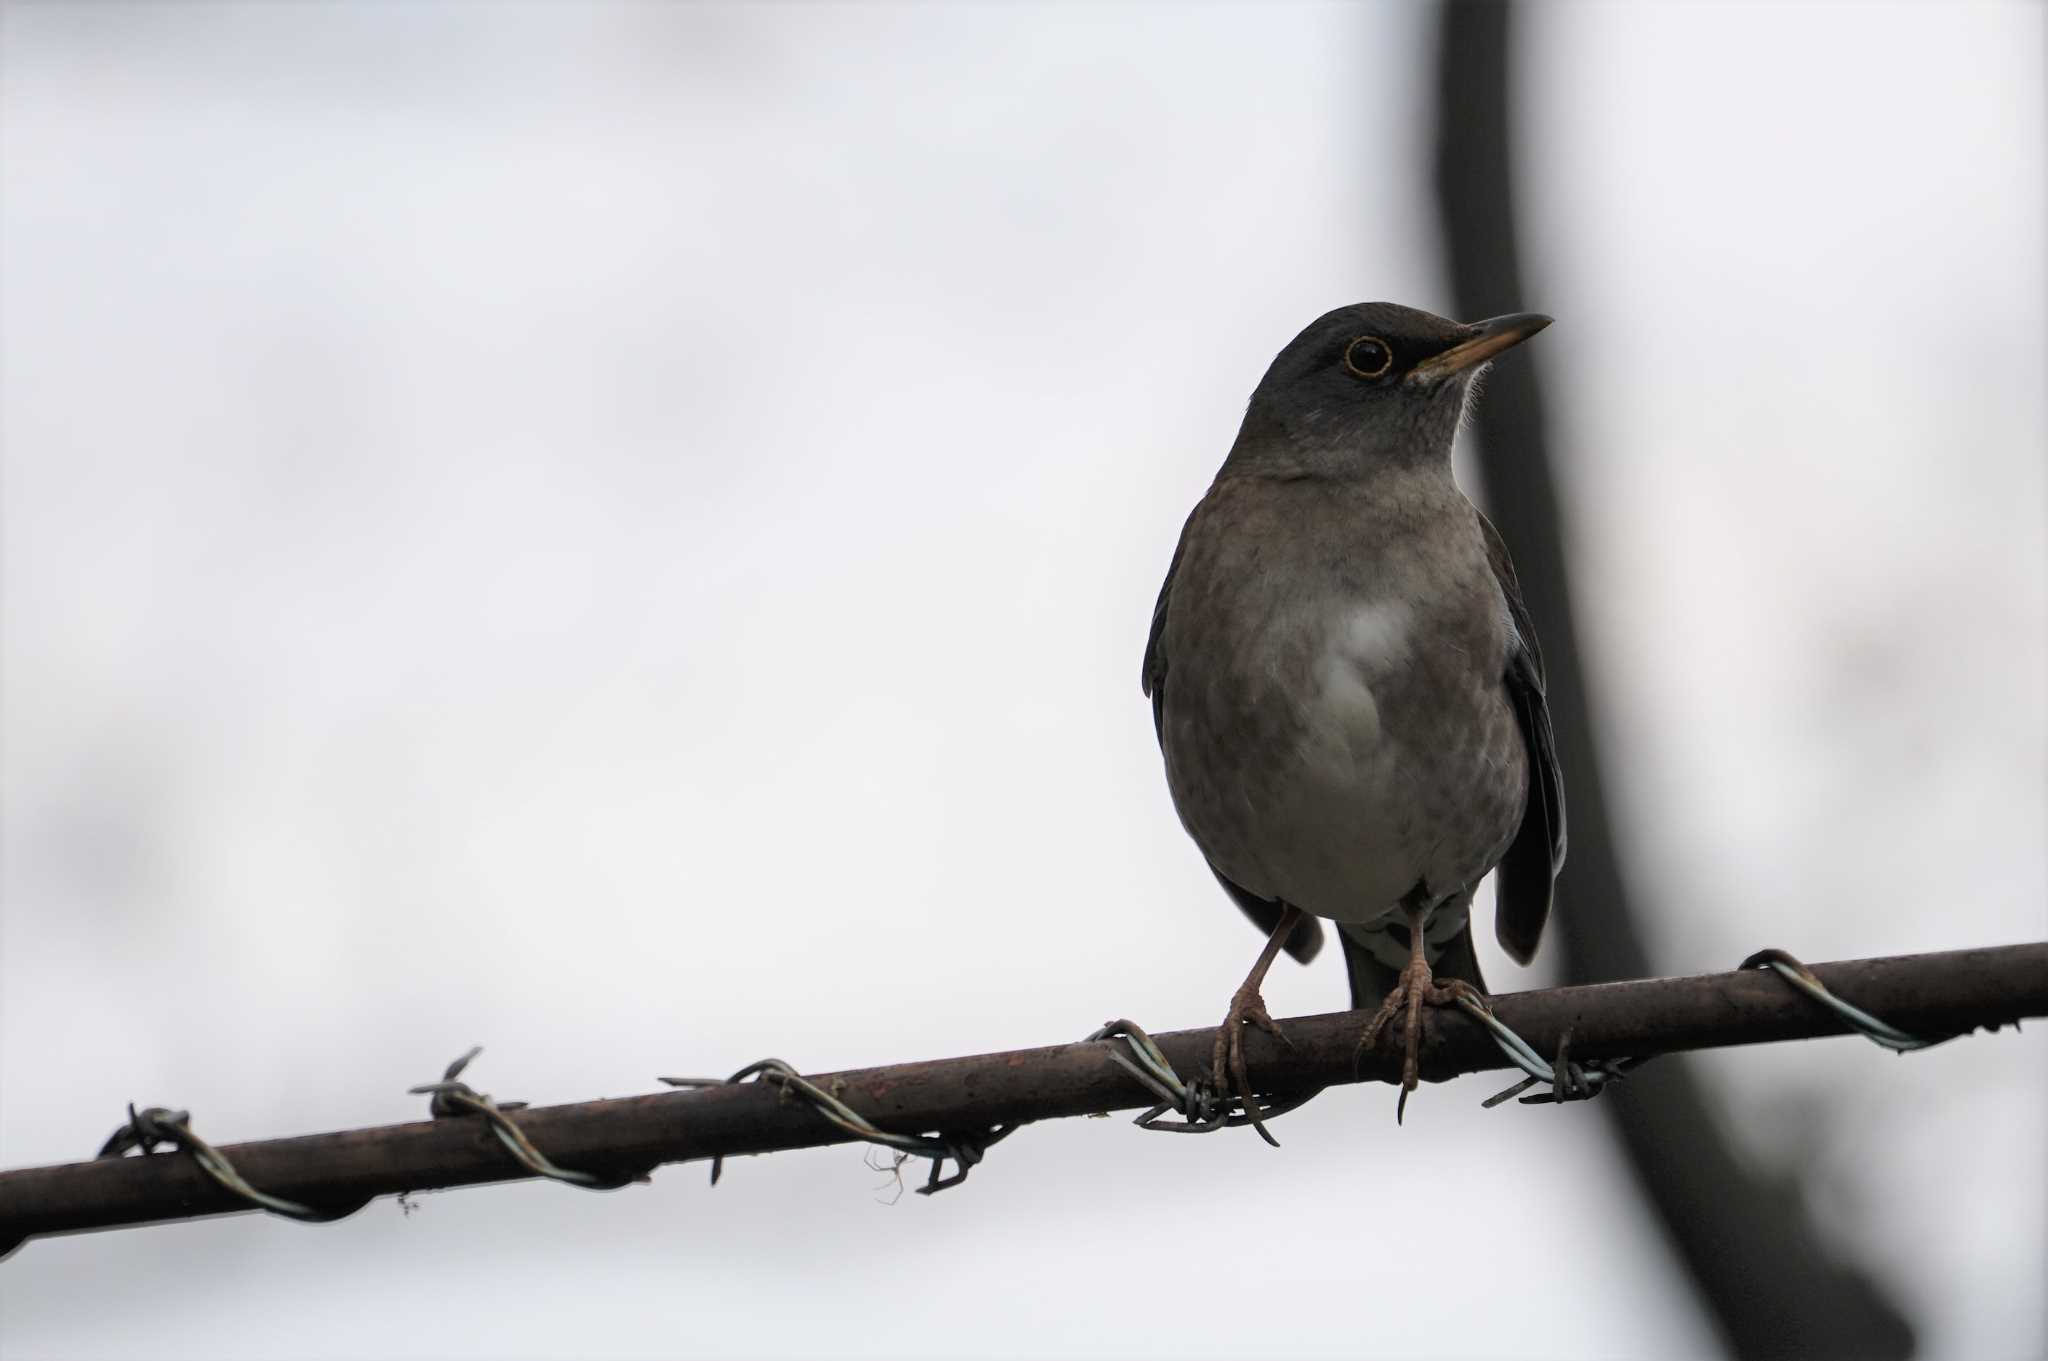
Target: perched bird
<point>1345,685</point>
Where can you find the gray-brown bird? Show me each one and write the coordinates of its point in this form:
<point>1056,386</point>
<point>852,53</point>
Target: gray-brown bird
<point>1344,681</point>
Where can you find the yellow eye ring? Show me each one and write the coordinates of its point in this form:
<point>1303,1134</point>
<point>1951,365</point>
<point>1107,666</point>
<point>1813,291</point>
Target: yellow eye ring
<point>1368,357</point>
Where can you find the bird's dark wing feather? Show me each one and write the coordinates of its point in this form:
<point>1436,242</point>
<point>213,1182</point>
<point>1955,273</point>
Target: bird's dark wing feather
<point>1153,682</point>
<point>1522,888</point>
<point>1307,938</point>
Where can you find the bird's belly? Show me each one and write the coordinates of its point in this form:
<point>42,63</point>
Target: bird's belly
<point>1342,795</point>
<point>1339,843</point>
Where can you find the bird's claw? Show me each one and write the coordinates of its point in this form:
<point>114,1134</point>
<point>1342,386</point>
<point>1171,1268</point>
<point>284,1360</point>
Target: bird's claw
<point>1416,989</point>
<point>1227,1068</point>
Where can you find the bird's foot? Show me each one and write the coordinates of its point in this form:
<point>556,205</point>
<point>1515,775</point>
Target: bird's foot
<point>1416,989</point>
<point>1227,1068</point>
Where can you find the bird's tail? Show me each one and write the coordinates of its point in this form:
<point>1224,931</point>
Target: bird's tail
<point>1369,949</point>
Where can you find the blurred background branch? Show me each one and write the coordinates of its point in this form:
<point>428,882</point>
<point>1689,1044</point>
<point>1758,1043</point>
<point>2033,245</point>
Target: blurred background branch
<point>1772,1283</point>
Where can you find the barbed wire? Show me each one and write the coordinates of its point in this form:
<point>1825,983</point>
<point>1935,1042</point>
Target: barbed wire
<point>454,1099</point>
<point>955,1109</point>
<point>1881,1033</point>
<point>966,1150</point>
<point>157,1125</point>
<point>1202,1107</point>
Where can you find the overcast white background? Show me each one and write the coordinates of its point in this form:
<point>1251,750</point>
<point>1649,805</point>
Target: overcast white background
<point>625,535</point>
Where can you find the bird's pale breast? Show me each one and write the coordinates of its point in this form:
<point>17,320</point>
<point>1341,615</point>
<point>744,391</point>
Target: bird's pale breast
<point>1334,721</point>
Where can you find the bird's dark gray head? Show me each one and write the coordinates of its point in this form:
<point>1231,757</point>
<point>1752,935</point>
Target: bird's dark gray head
<point>1370,384</point>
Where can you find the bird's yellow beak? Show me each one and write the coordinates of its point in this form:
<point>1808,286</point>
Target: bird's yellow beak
<point>1488,339</point>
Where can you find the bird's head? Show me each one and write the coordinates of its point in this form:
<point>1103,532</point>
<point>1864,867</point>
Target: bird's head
<point>1372,383</point>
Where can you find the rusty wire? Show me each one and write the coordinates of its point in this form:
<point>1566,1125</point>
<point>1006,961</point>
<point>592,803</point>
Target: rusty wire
<point>1570,1081</point>
<point>455,1100</point>
<point>1202,1108</point>
<point>159,1125</point>
<point>1566,1080</point>
<point>1879,1032</point>
<point>324,1176</point>
<point>966,1150</point>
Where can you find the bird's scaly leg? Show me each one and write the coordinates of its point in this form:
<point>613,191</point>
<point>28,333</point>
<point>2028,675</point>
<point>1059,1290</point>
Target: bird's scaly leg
<point>1416,989</point>
<point>1247,1007</point>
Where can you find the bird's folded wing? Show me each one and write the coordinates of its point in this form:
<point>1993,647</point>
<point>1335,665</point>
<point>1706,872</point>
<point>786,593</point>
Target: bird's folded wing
<point>1527,872</point>
<point>1307,937</point>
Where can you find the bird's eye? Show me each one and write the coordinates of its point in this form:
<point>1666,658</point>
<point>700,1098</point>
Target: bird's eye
<point>1368,357</point>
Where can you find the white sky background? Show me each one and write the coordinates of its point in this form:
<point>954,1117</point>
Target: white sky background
<point>626,535</point>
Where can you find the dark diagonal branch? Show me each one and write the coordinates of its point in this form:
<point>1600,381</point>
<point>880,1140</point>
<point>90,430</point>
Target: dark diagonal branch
<point>1774,1286</point>
<point>615,1141</point>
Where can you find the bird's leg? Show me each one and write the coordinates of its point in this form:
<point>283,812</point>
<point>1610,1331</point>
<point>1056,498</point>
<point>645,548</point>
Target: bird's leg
<point>1416,988</point>
<point>1247,1007</point>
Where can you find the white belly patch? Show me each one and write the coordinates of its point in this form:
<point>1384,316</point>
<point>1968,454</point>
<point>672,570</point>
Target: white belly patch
<point>1373,636</point>
<point>1368,642</point>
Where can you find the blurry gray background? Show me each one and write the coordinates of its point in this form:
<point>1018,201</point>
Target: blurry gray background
<point>625,534</point>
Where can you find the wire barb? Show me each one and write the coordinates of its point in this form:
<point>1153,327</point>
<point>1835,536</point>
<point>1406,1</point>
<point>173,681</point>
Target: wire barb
<point>1574,1082</point>
<point>966,1149</point>
<point>1202,1109</point>
<point>1878,1032</point>
<point>158,1125</point>
<point>1567,1081</point>
<point>454,1099</point>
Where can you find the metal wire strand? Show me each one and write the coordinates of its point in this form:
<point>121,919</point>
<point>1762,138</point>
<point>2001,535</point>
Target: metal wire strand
<point>1877,1031</point>
<point>1575,1082</point>
<point>965,1150</point>
<point>455,1099</point>
<point>1567,1081</point>
<point>157,1125</point>
<point>1202,1109</point>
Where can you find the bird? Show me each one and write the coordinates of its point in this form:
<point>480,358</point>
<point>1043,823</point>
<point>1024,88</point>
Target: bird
<point>1346,687</point>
